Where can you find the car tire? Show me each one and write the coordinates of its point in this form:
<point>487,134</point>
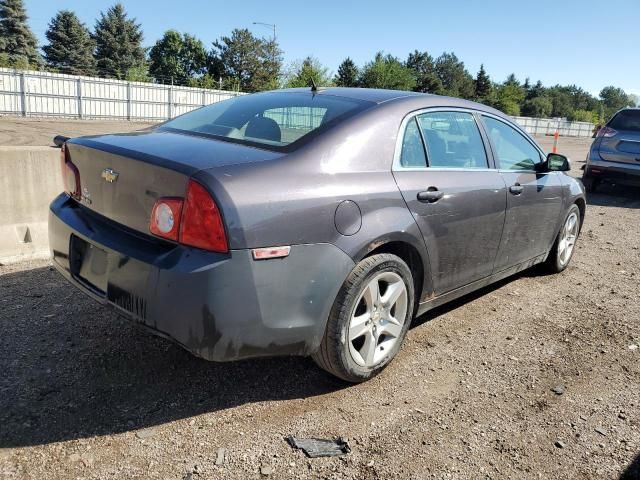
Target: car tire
<point>357,358</point>
<point>590,183</point>
<point>559,257</point>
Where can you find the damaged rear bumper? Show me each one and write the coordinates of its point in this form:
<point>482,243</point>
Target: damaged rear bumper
<point>218,306</point>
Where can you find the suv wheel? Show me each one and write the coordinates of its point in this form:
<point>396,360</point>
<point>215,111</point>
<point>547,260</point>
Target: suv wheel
<point>369,319</point>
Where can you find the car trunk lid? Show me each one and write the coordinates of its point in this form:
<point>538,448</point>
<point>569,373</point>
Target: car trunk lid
<point>122,176</point>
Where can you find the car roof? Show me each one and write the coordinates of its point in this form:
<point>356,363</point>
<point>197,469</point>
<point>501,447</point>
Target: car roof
<point>414,99</point>
<point>375,95</point>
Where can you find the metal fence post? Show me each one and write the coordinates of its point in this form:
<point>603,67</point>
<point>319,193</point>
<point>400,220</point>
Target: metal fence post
<point>128,100</point>
<point>23,95</point>
<point>79,88</point>
<point>170,102</point>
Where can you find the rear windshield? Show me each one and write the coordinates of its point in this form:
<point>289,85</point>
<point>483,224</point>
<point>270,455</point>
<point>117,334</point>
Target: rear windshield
<point>275,120</point>
<point>626,120</point>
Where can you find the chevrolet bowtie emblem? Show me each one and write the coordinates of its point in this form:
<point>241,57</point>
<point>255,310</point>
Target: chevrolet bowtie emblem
<point>110,175</point>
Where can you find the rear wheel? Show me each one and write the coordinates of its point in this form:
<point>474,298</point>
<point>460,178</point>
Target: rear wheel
<point>562,250</point>
<point>590,183</point>
<point>369,319</point>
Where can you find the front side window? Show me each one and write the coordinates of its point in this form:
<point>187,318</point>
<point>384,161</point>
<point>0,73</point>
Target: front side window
<point>453,140</point>
<point>513,150</point>
<point>271,120</point>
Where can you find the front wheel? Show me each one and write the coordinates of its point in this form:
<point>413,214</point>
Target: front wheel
<point>563,247</point>
<point>369,319</point>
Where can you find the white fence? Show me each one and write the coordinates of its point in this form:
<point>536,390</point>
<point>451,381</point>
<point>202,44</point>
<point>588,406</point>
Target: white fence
<point>43,94</point>
<point>548,126</point>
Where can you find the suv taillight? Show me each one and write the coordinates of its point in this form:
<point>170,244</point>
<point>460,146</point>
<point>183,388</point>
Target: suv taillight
<point>70,174</point>
<point>606,132</point>
<point>195,221</point>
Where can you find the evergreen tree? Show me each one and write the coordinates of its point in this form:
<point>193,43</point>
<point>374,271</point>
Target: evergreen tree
<point>70,48</point>
<point>387,71</point>
<point>482,84</point>
<point>455,78</point>
<point>347,74</point>
<point>310,68</point>
<point>177,58</point>
<point>118,43</point>
<point>510,96</point>
<point>267,77</point>
<point>251,63</point>
<point>423,68</point>
<point>18,45</point>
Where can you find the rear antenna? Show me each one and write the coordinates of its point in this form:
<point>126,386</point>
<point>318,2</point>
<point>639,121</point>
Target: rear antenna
<point>314,87</point>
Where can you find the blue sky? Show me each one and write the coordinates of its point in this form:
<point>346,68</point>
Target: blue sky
<point>589,43</point>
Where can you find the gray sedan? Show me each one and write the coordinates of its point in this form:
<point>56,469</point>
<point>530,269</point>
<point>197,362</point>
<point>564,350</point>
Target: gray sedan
<point>309,221</point>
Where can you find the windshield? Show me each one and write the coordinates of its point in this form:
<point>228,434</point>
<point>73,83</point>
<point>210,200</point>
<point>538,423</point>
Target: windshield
<point>273,120</point>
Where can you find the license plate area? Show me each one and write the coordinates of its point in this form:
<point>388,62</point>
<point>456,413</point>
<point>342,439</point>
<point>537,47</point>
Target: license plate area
<point>88,265</point>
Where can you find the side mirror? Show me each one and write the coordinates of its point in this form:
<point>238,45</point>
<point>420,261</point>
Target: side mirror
<point>557,163</point>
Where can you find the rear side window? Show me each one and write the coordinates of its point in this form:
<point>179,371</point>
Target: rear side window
<point>412,154</point>
<point>452,140</point>
<point>271,120</point>
<point>626,120</point>
<point>513,150</point>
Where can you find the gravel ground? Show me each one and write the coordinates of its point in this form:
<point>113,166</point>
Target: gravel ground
<point>40,131</point>
<point>85,394</point>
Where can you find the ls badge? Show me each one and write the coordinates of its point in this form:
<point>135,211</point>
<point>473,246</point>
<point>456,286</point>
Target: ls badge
<point>110,175</point>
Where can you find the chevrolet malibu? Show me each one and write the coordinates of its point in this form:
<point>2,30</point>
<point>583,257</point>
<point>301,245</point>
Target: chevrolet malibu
<point>309,221</point>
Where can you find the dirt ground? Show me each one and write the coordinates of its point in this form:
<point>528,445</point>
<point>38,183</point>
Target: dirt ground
<point>85,394</point>
<point>40,131</point>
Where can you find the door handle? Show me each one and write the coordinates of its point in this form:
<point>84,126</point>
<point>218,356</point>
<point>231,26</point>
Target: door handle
<point>516,189</point>
<point>432,194</point>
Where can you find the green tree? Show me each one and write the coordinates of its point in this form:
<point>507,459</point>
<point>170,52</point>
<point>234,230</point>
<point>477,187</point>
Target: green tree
<point>252,63</point>
<point>584,116</point>
<point>536,90</point>
<point>118,43</point>
<point>138,73</point>
<point>423,68</point>
<point>537,107</point>
<point>613,99</point>
<point>387,71</point>
<point>482,85</point>
<point>18,44</point>
<point>301,73</point>
<point>510,96</point>
<point>177,58</point>
<point>70,48</point>
<point>454,76</point>
<point>347,75</point>
<point>267,77</point>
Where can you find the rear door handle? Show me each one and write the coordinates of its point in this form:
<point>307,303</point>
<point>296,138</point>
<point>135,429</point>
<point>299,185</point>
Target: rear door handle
<point>516,189</point>
<point>432,194</point>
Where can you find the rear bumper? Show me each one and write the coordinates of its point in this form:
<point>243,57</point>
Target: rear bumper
<point>218,306</point>
<point>624,173</point>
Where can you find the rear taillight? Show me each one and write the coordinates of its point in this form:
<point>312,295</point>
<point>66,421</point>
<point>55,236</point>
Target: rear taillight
<point>202,225</point>
<point>606,132</point>
<point>195,221</point>
<point>165,218</point>
<point>70,174</point>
